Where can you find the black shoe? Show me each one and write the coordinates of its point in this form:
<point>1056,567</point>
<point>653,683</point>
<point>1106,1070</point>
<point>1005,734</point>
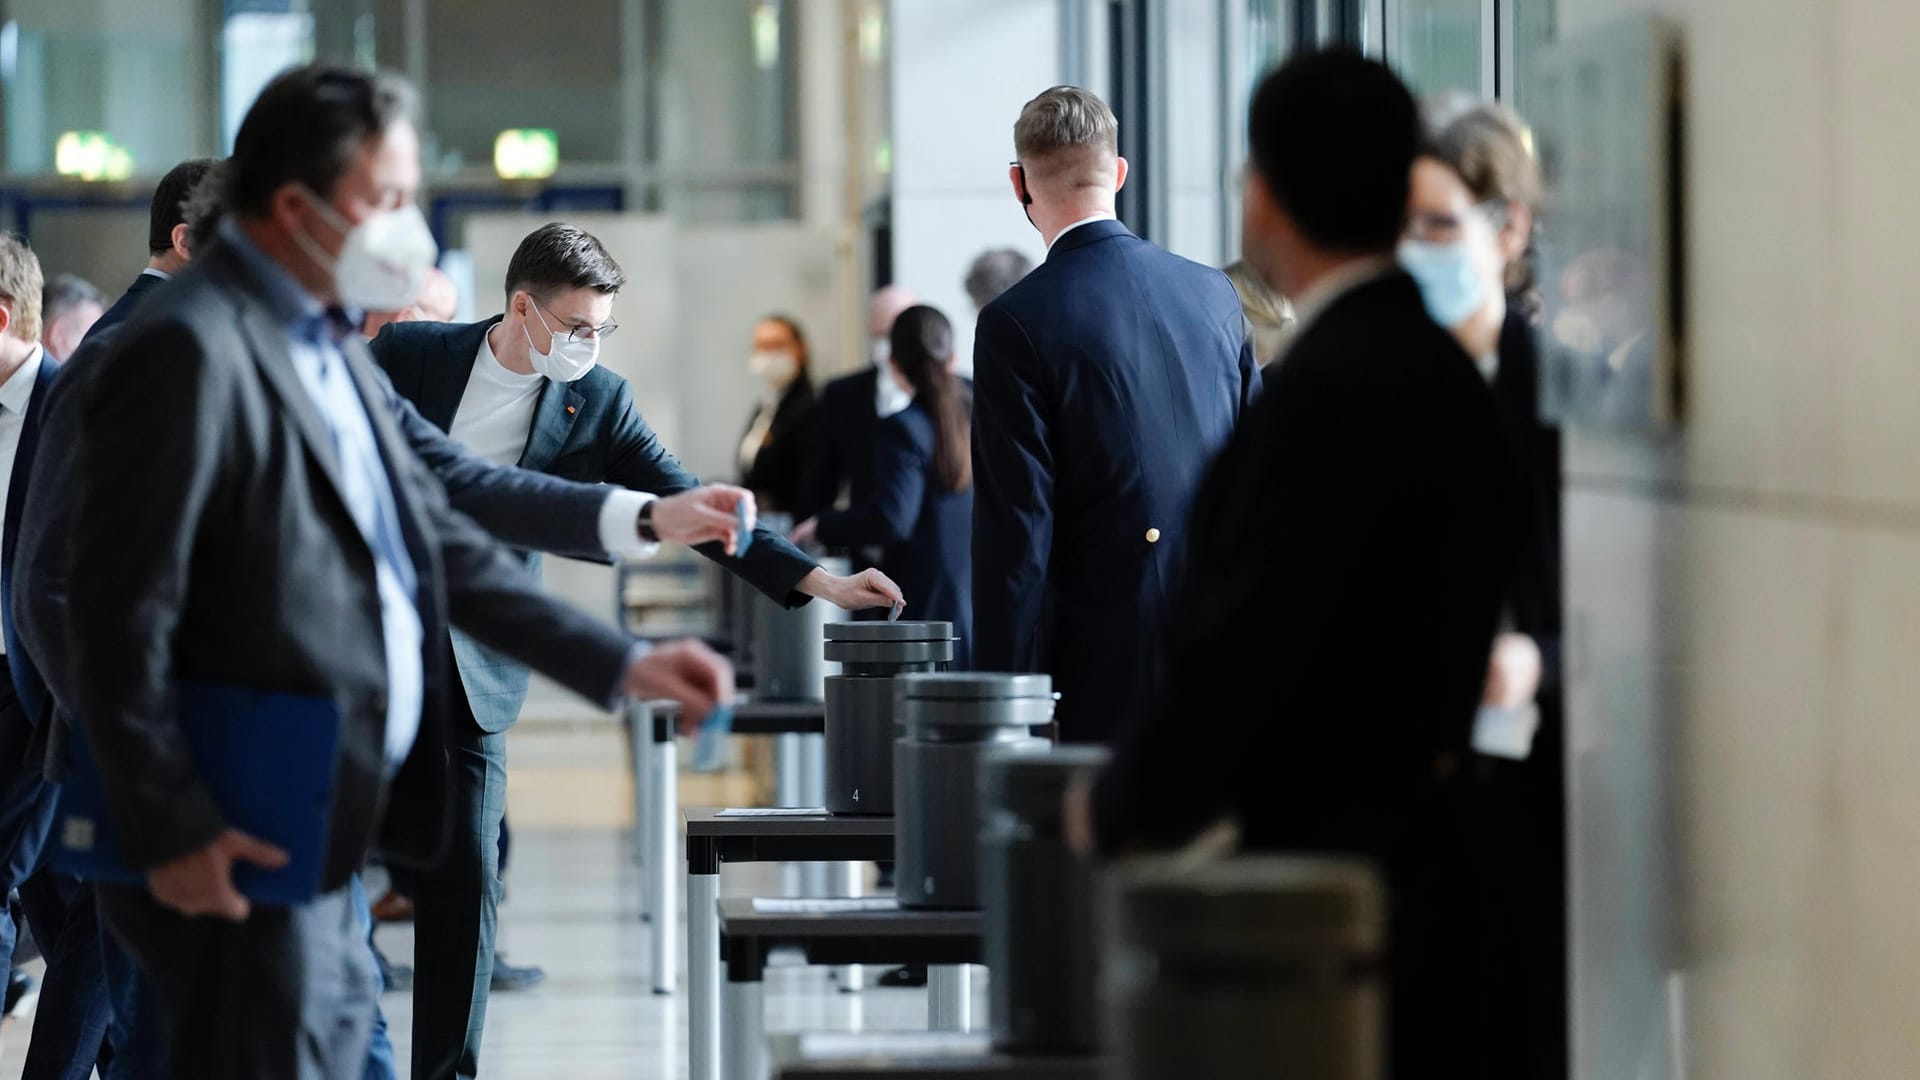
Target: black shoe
<point>905,975</point>
<point>507,978</point>
<point>19,985</point>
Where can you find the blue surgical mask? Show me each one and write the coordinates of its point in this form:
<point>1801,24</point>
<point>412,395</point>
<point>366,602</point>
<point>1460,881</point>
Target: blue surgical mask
<point>1449,282</point>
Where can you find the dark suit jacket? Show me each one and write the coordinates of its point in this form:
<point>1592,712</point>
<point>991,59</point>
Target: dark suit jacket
<point>587,431</point>
<point>1105,381</point>
<point>925,530</point>
<point>122,309</point>
<point>211,542</point>
<point>526,509</point>
<point>780,467</point>
<point>843,444</point>
<point>1370,498</point>
<point>20,750</point>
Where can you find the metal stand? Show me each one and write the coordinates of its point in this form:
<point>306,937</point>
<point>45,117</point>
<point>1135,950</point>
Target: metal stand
<point>662,827</point>
<point>746,1025</point>
<point>853,882</point>
<point>949,997</point>
<point>816,877</point>
<point>703,976</point>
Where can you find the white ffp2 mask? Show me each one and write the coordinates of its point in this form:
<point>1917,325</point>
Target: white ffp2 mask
<point>567,359</point>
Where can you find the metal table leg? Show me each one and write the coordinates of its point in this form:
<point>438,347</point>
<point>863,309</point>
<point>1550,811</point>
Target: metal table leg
<point>639,758</point>
<point>703,973</point>
<point>663,853</point>
<point>949,997</point>
<point>813,792</point>
<point>746,1031</point>
<point>853,882</point>
<point>788,790</point>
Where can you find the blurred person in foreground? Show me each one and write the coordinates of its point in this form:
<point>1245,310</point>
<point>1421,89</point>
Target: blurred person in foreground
<point>921,508</point>
<point>289,541</point>
<point>1370,494</point>
<point>526,387</point>
<point>436,302</point>
<point>1475,192</point>
<point>69,306</point>
<point>1104,383</point>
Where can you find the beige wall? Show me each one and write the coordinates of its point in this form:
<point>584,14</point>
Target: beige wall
<point>1743,635</point>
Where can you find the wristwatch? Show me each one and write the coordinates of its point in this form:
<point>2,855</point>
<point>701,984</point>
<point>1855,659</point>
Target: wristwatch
<point>644,524</point>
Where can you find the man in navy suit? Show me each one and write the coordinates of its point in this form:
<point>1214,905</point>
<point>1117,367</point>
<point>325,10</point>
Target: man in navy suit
<point>851,407</point>
<point>525,388</point>
<point>1105,381</point>
<point>167,252</point>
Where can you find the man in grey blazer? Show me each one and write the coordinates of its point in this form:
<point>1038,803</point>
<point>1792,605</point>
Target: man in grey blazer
<point>253,517</point>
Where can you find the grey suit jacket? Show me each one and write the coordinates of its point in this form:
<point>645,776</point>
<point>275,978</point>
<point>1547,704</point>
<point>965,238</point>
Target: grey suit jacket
<point>210,541</point>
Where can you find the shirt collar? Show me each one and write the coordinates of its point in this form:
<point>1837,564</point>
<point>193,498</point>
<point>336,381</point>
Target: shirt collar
<point>1101,216</point>
<point>17,392</point>
<point>154,271</point>
<point>290,302</point>
<point>1335,284</point>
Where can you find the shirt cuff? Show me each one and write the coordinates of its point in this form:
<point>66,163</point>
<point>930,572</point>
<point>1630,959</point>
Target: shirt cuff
<point>620,525</point>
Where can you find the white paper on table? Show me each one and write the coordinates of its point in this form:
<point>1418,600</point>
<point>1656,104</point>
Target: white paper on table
<point>812,906</point>
<point>773,811</point>
<point>829,1045</point>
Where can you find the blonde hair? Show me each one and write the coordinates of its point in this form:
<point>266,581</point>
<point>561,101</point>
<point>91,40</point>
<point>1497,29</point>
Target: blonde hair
<point>20,286</point>
<point>1489,147</point>
<point>1066,132</point>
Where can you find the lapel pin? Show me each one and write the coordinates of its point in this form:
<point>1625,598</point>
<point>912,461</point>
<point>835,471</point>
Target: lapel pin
<point>569,410</point>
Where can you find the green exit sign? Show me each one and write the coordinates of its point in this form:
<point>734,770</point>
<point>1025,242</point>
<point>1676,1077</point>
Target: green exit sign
<point>526,153</point>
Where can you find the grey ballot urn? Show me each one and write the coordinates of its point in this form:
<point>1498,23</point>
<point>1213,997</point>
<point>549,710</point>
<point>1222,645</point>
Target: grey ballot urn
<point>1245,968</point>
<point>949,724</point>
<point>860,720</point>
<point>1041,901</point>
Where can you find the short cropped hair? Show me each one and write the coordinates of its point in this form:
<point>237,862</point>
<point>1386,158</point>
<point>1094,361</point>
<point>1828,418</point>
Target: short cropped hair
<point>64,292</point>
<point>307,127</point>
<point>1065,131</point>
<point>559,256</point>
<point>20,286</point>
<point>169,203</point>
<point>1333,137</point>
<point>993,273</point>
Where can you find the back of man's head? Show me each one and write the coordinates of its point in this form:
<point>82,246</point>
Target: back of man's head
<point>20,288</point>
<point>993,273</point>
<point>1067,139</point>
<point>307,127</point>
<point>168,211</point>
<point>1333,137</point>
<point>556,257</point>
<point>65,292</point>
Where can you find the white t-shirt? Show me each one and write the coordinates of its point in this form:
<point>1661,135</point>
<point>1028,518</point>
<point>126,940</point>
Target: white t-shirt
<point>496,412</point>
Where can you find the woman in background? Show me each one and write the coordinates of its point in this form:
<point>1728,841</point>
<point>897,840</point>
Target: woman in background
<point>779,439</point>
<point>920,506</point>
<point>1474,197</point>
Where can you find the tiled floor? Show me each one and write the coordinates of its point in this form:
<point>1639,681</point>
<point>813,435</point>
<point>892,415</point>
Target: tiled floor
<point>573,908</point>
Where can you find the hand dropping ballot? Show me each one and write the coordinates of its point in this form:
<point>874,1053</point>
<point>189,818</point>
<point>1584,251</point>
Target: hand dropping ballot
<point>710,747</point>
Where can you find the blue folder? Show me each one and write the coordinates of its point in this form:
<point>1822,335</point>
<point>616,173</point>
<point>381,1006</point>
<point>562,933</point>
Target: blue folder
<point>267,759</point>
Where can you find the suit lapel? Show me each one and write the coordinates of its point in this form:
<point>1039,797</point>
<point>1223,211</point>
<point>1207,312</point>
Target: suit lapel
<point>552,422</point>
<point>444,382</point>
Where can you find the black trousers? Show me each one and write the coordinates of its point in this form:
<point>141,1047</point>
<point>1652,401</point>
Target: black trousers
<point>455,906</point>
<point>287,995</point>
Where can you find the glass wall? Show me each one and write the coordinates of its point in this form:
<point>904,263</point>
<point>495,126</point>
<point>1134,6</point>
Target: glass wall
<point>1435,45</point>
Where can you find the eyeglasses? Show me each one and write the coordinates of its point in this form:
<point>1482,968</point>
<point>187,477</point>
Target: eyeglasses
<point>1445,228</point>
<point>575,333</point>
